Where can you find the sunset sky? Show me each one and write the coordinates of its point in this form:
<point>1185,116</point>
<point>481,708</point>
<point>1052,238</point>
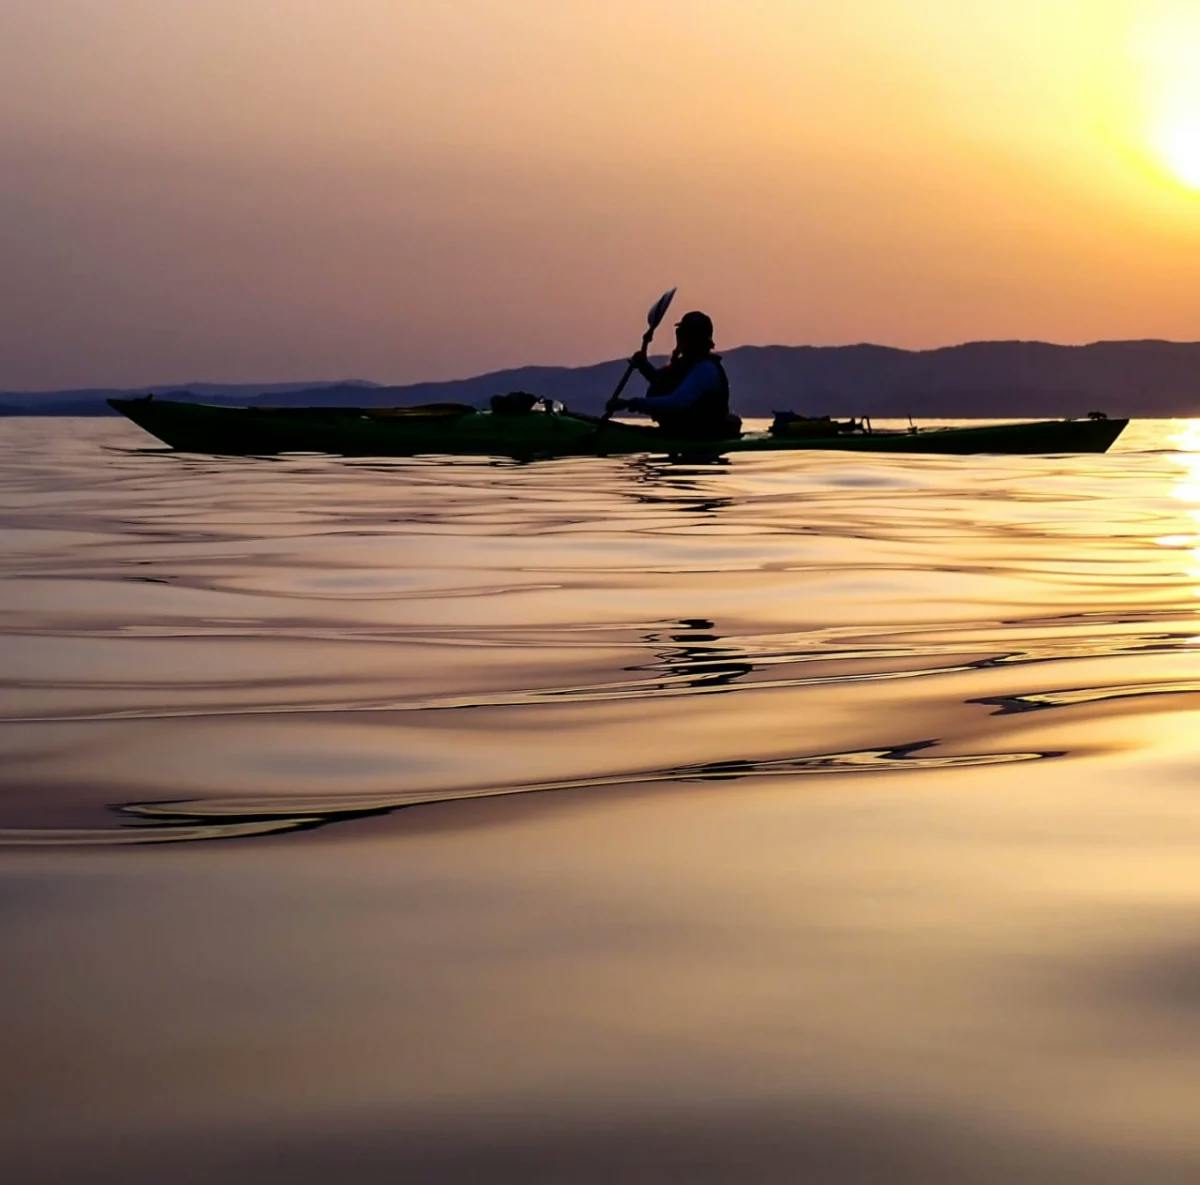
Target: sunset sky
<point>408,189</point>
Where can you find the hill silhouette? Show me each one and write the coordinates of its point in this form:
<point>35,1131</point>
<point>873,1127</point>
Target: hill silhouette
<point>92,401</point>
<point>978,379</point>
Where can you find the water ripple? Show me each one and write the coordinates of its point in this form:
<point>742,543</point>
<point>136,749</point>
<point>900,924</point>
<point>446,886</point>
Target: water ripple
<point>239,646</point>
<point>160,822</point>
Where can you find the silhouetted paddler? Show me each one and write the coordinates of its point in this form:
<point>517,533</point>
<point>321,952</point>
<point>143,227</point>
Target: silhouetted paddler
<point>688,397</point>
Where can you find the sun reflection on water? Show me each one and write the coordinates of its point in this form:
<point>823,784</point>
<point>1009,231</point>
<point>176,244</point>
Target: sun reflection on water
<point>1187,491</point>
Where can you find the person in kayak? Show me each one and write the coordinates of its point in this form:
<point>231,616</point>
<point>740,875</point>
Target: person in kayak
<point>688,397</point>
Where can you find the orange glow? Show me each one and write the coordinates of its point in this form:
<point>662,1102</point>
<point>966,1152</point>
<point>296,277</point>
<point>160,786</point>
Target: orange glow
<point>242,189</point>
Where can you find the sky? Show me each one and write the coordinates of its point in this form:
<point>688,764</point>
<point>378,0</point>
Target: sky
<point>260,190</point>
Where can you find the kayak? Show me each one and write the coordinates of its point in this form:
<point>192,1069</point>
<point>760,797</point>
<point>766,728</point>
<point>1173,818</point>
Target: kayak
<point>456,429</point>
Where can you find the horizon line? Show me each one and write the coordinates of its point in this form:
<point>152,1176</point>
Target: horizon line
<point>312,384</point>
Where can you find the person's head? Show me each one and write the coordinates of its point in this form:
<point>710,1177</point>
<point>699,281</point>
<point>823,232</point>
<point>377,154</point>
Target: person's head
<point>694,333</point>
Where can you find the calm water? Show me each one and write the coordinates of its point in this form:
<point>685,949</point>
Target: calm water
<point>801,818</point>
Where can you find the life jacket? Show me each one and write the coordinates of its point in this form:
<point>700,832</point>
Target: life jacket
<point>708,417</point>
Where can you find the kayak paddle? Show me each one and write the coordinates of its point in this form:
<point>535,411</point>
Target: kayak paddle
<point>658,310</point>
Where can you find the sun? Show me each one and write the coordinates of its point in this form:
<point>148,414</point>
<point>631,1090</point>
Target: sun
<point>1177,141</point>
<point>1167,48</point>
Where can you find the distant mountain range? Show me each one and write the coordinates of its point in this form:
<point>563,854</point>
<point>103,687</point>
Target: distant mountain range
<point>92,401</point>
<point>995,379</point>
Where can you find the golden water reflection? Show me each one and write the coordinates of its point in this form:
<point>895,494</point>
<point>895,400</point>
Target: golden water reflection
<point>825,818</point>
<point>1186,442</point>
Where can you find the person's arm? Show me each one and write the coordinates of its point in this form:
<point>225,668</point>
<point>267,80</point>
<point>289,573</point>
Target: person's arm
<point>644,366</point>
<point>700,380</point>
<point>646,369</point>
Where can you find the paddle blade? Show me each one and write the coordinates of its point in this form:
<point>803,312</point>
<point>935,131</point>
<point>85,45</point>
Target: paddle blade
<point>658,310</point>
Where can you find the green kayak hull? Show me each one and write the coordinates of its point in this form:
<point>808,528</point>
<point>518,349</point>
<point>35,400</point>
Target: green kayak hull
<point>205,428</point>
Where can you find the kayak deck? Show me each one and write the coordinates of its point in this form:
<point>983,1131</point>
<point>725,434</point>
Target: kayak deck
<point>451,430</point>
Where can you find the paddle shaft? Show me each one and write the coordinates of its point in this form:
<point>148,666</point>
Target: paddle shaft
<point>654,318</point>
<point>609,409</point>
